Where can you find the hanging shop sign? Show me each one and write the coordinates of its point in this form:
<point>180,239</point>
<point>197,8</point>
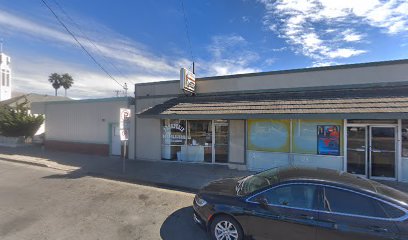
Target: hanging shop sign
<point>124,124</point>
<point>328,140</point>
<point>187,80</point>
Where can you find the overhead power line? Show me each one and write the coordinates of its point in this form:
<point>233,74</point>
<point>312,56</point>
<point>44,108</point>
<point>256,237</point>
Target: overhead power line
<point>88,39</point>
<point>80,44</point>
<point>187,31</point>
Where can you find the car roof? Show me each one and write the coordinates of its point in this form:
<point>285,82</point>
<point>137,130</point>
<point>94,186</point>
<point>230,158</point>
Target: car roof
<point>340,178</point>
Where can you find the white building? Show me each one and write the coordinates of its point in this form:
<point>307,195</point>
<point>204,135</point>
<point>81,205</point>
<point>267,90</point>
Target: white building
<point>89,126</point>
<point>5,77</point>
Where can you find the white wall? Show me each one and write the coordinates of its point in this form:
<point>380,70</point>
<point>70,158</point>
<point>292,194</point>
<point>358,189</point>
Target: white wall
<point>5,91</point>
<point>404,169</point>
<point>81,121</point>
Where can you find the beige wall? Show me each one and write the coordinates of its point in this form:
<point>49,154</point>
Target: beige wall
<point>148,139</point>
<point>237,141</point>
<point>316,78</point>
<point>148,132</point>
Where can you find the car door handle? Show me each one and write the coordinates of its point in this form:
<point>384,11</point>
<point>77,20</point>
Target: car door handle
<point>308,217</point>
<point>378,229</point>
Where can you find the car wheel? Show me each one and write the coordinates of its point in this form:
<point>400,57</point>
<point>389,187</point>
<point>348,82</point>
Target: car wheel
<point>226,228</point>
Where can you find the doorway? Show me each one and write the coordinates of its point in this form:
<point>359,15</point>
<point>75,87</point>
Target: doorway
<point>371,151</point>
<point>115,143</point>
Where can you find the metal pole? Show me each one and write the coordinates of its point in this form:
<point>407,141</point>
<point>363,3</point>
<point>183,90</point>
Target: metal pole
<point>124,157</point>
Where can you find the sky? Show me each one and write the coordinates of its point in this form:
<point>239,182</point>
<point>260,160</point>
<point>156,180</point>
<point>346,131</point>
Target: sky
<point>144,41</point>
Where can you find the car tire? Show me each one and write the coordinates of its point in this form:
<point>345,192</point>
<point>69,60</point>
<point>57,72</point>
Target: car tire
<point>225,225</point>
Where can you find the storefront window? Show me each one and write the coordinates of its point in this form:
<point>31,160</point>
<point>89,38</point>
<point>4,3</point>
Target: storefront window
<point>321,137</point>
<point>404,137</point>
<point>195,140</point>
<point>269,135</point>
<point>173,138</point>
<point>221,141</point>
<point>199,144</point>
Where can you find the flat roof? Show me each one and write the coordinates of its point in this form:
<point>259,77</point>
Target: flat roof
<point>298,70</point>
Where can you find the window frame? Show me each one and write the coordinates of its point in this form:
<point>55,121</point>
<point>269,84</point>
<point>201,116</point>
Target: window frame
<point>315,201</point>
<point>252,199</point>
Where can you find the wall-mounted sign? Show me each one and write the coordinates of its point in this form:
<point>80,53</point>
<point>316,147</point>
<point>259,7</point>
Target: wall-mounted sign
<point>187,80</point>
<point>124,124</point>
<point>328,140</point>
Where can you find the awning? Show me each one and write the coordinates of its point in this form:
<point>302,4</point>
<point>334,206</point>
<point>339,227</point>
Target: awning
<point>359,103</point>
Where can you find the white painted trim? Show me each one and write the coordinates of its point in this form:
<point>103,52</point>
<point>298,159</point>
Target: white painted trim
<point>345,145</point>
<point>399,150</point>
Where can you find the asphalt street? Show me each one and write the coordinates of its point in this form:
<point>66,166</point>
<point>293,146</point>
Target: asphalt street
<point>42,203</point>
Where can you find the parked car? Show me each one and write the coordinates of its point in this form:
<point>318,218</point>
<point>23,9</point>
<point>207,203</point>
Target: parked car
<point>301,203</point>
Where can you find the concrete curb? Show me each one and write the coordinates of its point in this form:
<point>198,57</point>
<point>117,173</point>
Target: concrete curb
<point>37,164</point>
<point>143,182</point>
<point>23,162</point>
<point>110,176</point>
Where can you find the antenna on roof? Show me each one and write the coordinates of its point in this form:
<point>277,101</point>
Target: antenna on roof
<point>1,45</point>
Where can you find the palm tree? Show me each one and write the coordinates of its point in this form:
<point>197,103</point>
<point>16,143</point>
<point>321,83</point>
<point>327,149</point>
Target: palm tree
<point>55,79</point>
<point>66,82</point>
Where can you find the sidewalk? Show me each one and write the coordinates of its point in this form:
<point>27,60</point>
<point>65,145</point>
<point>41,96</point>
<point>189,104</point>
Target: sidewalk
<point>174,175</point>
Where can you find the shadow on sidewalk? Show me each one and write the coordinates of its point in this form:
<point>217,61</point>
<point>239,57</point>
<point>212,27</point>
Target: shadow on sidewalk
<point>181,226</point>
<point>187,177</point>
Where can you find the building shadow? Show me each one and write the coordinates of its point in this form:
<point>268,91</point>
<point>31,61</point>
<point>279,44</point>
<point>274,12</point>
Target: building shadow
<point>181,226</point>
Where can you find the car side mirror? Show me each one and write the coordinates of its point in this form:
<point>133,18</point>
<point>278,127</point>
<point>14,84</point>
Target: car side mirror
<point>263,202</point>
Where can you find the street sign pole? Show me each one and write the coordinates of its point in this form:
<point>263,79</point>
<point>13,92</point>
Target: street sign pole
<point>124,157</point>
<point>124,125</point>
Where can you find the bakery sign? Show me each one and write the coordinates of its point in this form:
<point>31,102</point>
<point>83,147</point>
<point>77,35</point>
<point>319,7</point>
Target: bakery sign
<point>187,80</point>
<point>174,133</point>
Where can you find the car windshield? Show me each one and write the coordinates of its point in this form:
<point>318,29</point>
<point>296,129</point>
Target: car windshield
<point>258,181</point>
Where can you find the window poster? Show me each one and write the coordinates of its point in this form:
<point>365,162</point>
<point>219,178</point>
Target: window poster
<point>328,140</point>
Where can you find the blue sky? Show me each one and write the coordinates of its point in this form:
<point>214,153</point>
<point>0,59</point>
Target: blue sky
<point>143,41</point>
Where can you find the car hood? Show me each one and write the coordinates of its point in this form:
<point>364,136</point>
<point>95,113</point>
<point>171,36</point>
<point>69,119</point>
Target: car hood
<point>225,186</point>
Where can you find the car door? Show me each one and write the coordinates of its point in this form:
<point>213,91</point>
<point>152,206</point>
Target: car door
<point>285,212</point>
<point>354,216</point>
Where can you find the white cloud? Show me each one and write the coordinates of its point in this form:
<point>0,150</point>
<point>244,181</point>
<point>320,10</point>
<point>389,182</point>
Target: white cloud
<point>324,29</point>
<point>350,36</point>
<point>230,55</point>
<point>115,46</point>
<point>135,61</point>
<point>345,53</point>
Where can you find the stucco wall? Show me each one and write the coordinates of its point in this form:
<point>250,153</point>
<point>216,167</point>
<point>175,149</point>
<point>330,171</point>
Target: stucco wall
<point>237,141</point>
<point>81,121</point>
<point>148,132</point>
<point>318,77</point>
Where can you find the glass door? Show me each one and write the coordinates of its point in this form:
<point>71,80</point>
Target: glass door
<point>221,133</point>
<point>382,152</point>
<point>357,150</point>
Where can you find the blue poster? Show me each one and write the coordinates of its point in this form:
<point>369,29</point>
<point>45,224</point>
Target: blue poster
<point>328,140</point>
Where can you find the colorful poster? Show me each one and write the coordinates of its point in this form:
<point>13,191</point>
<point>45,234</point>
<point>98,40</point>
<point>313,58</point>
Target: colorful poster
<point>328,140</point>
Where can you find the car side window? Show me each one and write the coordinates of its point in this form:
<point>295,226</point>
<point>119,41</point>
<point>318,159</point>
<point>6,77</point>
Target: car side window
<point>294,195</point>
<point>347,202</point>
<point>391,212</point>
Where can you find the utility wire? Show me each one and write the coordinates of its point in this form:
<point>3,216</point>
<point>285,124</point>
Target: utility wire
<point>89,40</point>
<point>187,32</point>
<point>80,44</point>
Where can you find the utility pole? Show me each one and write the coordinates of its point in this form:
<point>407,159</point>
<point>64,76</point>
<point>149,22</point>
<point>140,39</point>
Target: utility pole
<point>117,92</point>
<point>126,89</point>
